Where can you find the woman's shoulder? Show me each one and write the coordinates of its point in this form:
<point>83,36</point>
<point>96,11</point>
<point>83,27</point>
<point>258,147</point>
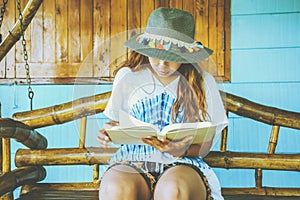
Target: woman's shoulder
<point>129,74</point>
<point>122,72</point>
<point>126,75</point>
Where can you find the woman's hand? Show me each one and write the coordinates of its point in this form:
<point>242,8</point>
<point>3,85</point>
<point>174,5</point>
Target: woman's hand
<point>102,136</point>
<point>175,148</point>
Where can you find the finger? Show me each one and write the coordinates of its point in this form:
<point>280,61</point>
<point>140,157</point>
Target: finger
<point>153,141</point>
<point>188,139</point>
<point>103,143</point>
<point>102,134</point>
<point>165,141</point>
<point>147,141</point>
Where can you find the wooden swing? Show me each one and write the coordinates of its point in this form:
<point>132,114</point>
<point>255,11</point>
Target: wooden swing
<point>22,126</point>
<point>29,162</point>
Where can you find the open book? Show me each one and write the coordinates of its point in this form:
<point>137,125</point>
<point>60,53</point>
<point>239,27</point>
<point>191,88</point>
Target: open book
<point>131,130</point>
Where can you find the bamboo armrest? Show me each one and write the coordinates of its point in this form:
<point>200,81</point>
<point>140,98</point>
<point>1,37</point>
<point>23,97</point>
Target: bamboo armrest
<point>86,106</point>
<point>23,133</point>
<point>9,181</point>
<point>259,112</point>
<point>65,112</point>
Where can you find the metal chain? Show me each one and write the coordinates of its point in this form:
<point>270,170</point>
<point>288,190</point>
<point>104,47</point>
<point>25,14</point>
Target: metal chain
<point>3,9</point>
<point>28,78</point>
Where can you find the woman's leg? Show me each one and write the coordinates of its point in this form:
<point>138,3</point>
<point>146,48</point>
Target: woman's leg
<point>123,182</point>
<point>180,182</point>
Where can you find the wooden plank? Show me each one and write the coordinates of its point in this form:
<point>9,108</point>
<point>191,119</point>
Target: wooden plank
<point>74,31</point>
<point>19,46</point>
<point>161,3</point>
<point>146,8</point>
<point>227,54</point>
<point>189,6</point>
<point>7,65</point>
<point>61,24</point>
<point>134,17</point>
<point>220,31</point>
<point>3,68</point>
<point>118,33</point>
<point>49,31</point>
<point>86,39</point>
<point>201,21</point>
<point>101,45</point>
<point>176,4</point>
<point>61,69</point>
<point>212,35</point>
<point>86,29</point>
<point>36,50</point>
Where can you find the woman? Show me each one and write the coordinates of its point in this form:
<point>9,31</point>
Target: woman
<point>161,83</point>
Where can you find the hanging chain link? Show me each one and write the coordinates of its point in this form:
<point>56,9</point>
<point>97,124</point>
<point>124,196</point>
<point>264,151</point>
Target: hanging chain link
<point>28,78</point>
<point>3,9</point>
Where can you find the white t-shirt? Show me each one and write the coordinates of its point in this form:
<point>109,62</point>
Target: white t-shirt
<point>142,95</point>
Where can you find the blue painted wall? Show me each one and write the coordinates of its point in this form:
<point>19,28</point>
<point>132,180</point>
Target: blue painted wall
<point>265,49</point>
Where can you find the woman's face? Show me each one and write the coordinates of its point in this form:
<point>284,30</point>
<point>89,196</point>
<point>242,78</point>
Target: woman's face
<point>163,68</point>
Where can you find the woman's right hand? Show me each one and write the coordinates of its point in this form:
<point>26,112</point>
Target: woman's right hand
<point>102,136</point>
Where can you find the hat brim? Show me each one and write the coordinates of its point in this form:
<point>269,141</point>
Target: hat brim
<point>172,55</point>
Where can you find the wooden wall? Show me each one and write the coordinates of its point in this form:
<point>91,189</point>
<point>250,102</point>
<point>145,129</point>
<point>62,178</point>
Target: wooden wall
<point>82,40</point>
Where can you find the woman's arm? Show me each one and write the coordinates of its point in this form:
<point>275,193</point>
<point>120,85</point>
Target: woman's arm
<point>196,150</point>
<point>179,148</point>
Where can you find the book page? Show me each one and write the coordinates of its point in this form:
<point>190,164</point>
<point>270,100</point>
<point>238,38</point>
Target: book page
<point>127,121</point>
<point>181,126</point>
<point>132,135</point>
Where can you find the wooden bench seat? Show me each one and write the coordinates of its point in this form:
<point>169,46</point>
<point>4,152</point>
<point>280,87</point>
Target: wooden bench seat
<point>30,161</point>
<point>92,195</point>
<point>89,191</point>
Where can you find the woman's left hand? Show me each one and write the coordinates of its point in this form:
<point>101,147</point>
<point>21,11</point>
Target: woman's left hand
<point>175,148</point>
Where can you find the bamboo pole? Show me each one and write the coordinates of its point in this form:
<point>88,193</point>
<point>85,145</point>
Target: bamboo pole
<point>90,156</point>
<point>259,112</point>
<point>25,175</point>
<point>96,173</point>
<point>10,128</point>
<point>271,149</point>
<point>76,187</point>
<point>273,139</point>
<point>86,106</point>
<point>15,34</point>
<point>6,166</point>
<point>6,160</point>
<point>64,156</point>
<point>264,191</point>
<point>258,178</point>
<point>82,132</point>
<point>253,160</point>
<point>8,196</point>
<point>223,144</point>
<point>66,112</point>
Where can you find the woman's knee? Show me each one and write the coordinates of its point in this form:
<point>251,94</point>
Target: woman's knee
<point>122,181</point>
<point>171,189</point>
<point>180,182</point>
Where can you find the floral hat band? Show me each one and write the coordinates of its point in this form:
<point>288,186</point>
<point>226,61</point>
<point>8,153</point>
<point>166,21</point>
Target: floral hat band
<point>169,36</point>
<point>164,43</point>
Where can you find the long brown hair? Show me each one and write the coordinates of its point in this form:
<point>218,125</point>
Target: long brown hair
<point>190,91</point>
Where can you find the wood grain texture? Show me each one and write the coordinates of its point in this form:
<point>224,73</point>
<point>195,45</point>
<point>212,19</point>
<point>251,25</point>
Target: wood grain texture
<point>92,33</point>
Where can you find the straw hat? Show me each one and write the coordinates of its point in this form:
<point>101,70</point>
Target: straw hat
<point>169,36</point>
